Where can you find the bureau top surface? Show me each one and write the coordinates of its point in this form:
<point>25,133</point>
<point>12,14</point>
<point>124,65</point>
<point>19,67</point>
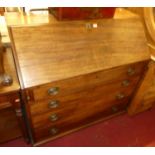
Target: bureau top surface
<point>60,50</point>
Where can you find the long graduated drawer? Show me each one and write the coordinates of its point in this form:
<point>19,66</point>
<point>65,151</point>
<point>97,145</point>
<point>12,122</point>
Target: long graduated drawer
<point>64,105</point>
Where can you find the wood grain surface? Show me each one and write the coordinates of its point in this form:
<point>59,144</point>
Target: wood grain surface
<point>62,50</point>
<point>88,81</point>
<point>9,127</point>
<point>144,97</point>
<point>16,18</point>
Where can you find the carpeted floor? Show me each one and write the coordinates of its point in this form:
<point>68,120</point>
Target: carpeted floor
<point>119,131</point>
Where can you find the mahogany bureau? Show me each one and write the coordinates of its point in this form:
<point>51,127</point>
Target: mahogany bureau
<point>74,74</point>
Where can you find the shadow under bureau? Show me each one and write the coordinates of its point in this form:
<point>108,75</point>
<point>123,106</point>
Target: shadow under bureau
<point>73,74</point>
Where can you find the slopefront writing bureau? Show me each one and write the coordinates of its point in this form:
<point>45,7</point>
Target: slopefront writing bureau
<point>73,74</point>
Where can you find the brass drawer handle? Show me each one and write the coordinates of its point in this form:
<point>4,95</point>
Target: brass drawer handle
<point>53,91</point>
<point>125,83</point>
<point>53,104</point>
<point>131,71</point>
<point>120,96</point>
<point>54,131</point>
<point>54,117</point>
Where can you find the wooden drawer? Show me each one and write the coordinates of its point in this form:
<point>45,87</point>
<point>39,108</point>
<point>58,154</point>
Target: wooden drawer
<point>61,103</point>
<point>75,123</point>
<point>78,111</point>
<point>92,100</point>
<point>7,100</point>
<point>8,97</point>
<point>9,127</point>
<point>10,113</point>
<point>85,82</point>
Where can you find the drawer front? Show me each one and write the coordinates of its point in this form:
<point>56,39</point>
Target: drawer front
<point>80,83</point>
<point>80,111</point>
<point>61,103</point>
<point>9,127</point>
<point>8,99</point>
<point>92,101</point>
<point>51,131</point>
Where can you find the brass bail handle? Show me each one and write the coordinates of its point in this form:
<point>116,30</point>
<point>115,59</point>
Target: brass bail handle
<point>5,79</point>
